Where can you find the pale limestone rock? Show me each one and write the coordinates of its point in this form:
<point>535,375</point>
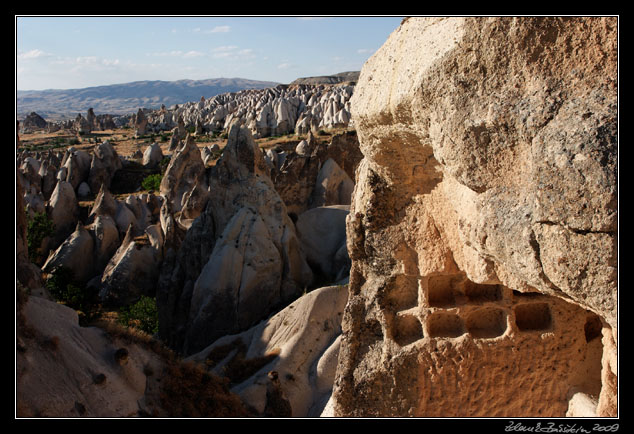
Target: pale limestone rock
<point>64,370</point>
<point>105,204</point>
<point>303,149</point>
<point>185,171</point>
<point>333,186</point>
<point>106,236</point>
<point>78,167</point>
<point>105,163</point>
<point>300,344</point>
<point>322,233</point>
<point>238,186</point>
<point>482,227</point>
<point>131,272</point>
<point>63,210</point>
<point>47,173</point>
<point>75,254</point>
<point>140,124</point>
<point>152,155</point>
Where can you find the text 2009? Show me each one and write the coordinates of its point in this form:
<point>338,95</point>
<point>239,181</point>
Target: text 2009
<point>606,428</point>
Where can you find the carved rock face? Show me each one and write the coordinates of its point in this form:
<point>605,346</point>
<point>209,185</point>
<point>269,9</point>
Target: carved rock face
<point>489,172</point>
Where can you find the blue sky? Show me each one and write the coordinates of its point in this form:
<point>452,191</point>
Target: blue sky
<point>75,52</point>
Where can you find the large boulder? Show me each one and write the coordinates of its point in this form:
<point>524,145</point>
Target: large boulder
<point>105,162</point>
<point>244,217</point>
<point>185,172</point>
<point>63,209</point>
<point>483,225</point>
<point>75,254</point>
<point>107,241</point>
<point>285,365</point>
<point>152,155</point>
<point>296,179</point>
<point>133,270</point>
<point>77,164</point>
<point>333,186</point>
<point>140,124</point>
<point>322,235</point>
<point>33,122</point>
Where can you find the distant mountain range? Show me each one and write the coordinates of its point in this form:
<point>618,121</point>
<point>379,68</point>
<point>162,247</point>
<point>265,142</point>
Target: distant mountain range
<point>117,99</point>
<point>329,79</point>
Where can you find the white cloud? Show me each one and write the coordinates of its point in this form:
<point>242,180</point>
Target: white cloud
<point>86,60</point>
<point>108,62</point>
<point>177,53</point>
<point>219,29</point>
<point>224,48</point>
<point>284,66</point>
<point>232,52</point>
<point>192,53</point>
<point>364,50</point>
<point>32,54</point>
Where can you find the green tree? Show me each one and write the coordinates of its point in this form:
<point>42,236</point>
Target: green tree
<point>152,182</point>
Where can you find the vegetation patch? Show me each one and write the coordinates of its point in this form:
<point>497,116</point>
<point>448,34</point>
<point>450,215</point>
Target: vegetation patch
<point>152,182</point>
<point>38,227</point>
<point>62,285</point>
<point>142,315</point>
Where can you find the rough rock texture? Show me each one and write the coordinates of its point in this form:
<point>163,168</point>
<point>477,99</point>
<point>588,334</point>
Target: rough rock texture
<point>184,175</point>
<point>105,162</point>
<point>152,155</point>
<point>26,273</point>
<point>299,344</point>
<point>482,230</point>
<point>322,235</point>
<point>64,370</point>
<point>33,122</point>
<point>75,254</point>
<point>206,278</point>
<point>63,210</point>
<point>133,270</point>
<point>333,186</point>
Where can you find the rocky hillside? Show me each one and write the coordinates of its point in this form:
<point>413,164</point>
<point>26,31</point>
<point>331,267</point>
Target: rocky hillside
<point>119,99</point>
<point>342,77</point>
<point>273,111</point>
<point>217,251</point>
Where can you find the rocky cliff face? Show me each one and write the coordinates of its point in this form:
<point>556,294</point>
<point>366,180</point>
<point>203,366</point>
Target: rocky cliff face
<point>483,225</point>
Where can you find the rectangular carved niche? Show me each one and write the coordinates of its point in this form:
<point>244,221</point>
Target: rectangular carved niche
<point>533,316</point>
<point>442,291</point>
<point>477,292</point>
<point>486,323</point>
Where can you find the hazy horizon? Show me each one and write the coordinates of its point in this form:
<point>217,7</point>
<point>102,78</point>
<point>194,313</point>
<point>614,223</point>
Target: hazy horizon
<point>101,51</point>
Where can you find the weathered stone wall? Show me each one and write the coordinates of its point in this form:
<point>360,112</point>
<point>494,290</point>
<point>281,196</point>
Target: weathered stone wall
<point>483,225</point>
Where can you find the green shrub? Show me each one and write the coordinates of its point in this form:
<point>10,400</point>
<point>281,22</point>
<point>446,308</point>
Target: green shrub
<point>63,287</point>
<point>38,227</point>
<point>142,315</point>
<point>152,182</point>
